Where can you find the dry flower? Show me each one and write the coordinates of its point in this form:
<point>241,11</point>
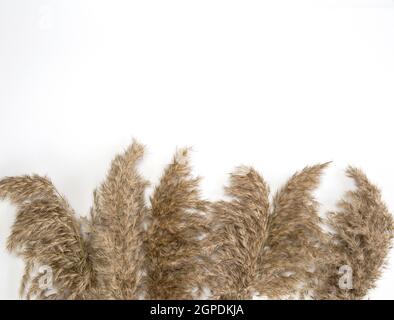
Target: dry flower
<point>46,233</point>
<point>357,250</point>
<point>177,244</point>
<point>116,241</point>
<point>172,240</point>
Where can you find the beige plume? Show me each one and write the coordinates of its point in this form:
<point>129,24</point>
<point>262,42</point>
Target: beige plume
<point>179,245</point>
<point>363,233</point>
<point>46,233</point>
<point>172,240</point>
<point>294,236</point>
<point>239,229</point>
<point>117,228</point>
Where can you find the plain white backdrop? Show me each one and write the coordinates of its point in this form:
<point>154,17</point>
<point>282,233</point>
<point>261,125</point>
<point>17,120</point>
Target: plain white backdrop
<point>276,84</point>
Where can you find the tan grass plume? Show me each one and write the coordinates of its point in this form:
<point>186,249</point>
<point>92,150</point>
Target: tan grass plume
<point>238,232</point>
<point>292,246</point>
<point>172,240</point>
<point>116,240</point>
<point>46,233</point>
<point>179,246</point>
<point>362,236</point>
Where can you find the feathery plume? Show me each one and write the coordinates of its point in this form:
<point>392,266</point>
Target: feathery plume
<point>237,247</point>
<point>47,233</point>
<point>117,226</point>
<point>291,249</point>
<point>172,239</point>
<point>357,251</point>
<point>238,234</point>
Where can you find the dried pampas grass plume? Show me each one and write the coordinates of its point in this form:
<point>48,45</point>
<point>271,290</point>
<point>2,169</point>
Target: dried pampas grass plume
<point>239,230</point>
<point>363,232</point>
<point>116,240</point>
<point>172,239</point>
<point>177,245</point>
<point>256,250</point>
<point>46,233</point>
<point>292,247</point>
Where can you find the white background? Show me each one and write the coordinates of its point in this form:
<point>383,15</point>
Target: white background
<point>277,85</point>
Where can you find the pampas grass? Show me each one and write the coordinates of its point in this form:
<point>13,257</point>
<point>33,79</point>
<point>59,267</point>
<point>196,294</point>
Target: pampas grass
<point>239,231</point>
<point>177,245</point>
<point>117,228</point>
<point>292,247</point>
<point>47,233</point>
<point>177,221</point>
<point>363,233</point>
